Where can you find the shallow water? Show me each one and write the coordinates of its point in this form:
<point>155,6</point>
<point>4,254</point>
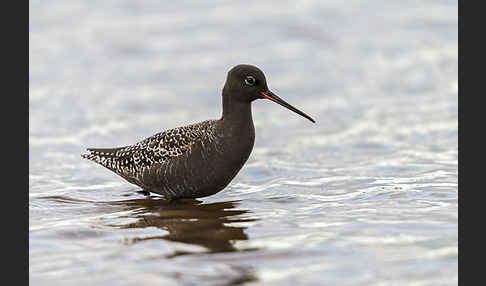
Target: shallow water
<point>366,196</point>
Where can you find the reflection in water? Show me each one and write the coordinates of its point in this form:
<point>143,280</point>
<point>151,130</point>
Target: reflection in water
<point>208,225</point>
<point>189,221</point>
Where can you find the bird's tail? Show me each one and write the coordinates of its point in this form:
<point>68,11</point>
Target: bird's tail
<point>99,154</point>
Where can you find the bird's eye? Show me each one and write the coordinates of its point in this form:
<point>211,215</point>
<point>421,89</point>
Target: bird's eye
<point>249,80</point>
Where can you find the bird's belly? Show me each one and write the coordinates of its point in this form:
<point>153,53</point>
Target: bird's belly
<point>204,171</point>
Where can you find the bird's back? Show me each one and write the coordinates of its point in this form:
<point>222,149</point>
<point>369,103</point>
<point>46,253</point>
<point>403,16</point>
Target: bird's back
<point>131,162</point>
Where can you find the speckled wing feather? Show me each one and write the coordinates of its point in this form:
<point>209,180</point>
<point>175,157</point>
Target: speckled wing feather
<point>130,161</point>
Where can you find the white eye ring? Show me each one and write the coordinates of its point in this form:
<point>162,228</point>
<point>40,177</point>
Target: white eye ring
<point>249,80</point>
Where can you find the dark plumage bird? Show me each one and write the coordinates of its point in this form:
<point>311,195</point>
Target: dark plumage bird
<point>201,159</point>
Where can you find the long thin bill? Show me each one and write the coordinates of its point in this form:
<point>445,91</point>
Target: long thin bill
<point>273,97</point>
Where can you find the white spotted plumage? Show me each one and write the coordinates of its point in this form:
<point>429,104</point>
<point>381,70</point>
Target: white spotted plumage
<point>130,161</point>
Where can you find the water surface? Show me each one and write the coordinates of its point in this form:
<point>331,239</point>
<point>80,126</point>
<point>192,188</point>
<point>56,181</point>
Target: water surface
<point>366,196</point>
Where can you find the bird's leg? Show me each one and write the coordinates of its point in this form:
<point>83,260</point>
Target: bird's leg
<point>144,192</point>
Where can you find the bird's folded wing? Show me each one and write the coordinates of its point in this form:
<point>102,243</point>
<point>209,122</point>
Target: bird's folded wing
<point>155,149</point>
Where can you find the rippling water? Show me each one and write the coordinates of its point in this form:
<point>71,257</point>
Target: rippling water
<point>367,196</point>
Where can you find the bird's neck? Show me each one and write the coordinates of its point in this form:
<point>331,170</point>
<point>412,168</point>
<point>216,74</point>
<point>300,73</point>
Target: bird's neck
<point>238,130</point>
<point>236,113</point>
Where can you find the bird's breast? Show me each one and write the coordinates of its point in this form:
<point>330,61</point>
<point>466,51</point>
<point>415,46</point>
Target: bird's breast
<point>222,156</point>
<point>209,165</point>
